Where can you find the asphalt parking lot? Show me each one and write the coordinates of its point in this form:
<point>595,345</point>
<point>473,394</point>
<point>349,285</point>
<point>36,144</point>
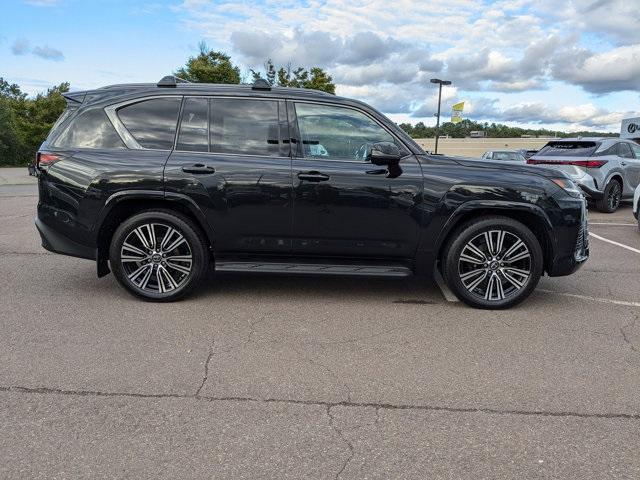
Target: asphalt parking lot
<point>276,377</point>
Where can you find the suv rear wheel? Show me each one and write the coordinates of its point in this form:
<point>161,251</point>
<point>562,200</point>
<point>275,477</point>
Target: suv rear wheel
<point>493,263</point>
<point>158,255</point>
<point>612,196</point>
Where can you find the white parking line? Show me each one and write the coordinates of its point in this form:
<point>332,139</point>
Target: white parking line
<point>446,293</point>
<point>622,245</point>
<point>594,299</point>
<point>615,224</point>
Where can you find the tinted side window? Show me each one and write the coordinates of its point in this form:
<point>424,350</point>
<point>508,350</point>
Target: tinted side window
<point>612,150</point>
<point>152,122</point>
<point>624,150</point>
<point>245,126</point>
<point>636,150</point>
<point>194,126</point>
<point>337,132</point>
<point>90,129</point>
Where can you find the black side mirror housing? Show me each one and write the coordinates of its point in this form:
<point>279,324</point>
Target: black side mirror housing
<point>384,153</point>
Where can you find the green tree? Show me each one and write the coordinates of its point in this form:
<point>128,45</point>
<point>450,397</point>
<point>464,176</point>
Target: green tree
<point>38,116</point>
<point>9,139</point>
<point>25,122</point>
<point>209,67</point>
<point>316,78</point>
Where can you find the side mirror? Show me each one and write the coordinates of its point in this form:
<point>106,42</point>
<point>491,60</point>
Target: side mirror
<point>384,153</point>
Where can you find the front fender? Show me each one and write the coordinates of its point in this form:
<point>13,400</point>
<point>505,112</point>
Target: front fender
<point>495,206</point>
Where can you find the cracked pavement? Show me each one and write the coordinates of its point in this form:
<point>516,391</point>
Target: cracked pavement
<point>276,377</point>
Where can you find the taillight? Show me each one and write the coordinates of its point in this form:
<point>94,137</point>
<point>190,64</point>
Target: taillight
<point>45,159</point>
<point>575,163</point>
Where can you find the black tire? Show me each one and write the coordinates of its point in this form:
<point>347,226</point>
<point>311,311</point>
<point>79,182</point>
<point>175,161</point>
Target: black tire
<point>503,267</point>
<point>611,198</point>
<point>172,281</point>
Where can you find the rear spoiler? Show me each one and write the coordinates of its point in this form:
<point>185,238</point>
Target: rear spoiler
<point>74,99</point>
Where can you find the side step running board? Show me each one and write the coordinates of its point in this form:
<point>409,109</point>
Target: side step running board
<point>314,268</point>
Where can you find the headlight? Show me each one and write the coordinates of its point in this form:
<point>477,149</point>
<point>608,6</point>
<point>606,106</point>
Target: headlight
<point>568,186</point>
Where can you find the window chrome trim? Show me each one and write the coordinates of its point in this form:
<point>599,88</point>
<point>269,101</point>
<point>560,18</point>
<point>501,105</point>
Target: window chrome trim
<point>221,154</point>
<point>128,139</point>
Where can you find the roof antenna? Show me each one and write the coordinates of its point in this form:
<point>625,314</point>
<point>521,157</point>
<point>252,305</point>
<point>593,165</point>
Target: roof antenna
<point>171,81</point>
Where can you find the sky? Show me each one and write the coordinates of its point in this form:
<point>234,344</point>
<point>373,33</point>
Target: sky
<point>570,65</point>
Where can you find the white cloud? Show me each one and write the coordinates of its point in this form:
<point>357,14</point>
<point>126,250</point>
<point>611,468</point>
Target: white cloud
<point>385,52</point>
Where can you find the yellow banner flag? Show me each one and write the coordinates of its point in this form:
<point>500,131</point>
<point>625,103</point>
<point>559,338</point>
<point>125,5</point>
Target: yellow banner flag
<point>456,112</point>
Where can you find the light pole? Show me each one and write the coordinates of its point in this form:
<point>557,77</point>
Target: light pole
<point>440,83</point>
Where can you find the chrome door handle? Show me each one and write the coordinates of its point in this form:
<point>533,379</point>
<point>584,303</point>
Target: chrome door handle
<point>199,169</point>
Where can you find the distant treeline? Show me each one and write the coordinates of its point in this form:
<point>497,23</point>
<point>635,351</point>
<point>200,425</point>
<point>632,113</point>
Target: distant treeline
<point>496,130</point>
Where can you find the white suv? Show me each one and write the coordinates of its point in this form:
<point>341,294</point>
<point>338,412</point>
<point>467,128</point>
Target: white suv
<point>607,169</point>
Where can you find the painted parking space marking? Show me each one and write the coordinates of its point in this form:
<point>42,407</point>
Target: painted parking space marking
<point>614,224</point>
<point>622,245</point>
<point>593,299</point>
<point>446,293</point>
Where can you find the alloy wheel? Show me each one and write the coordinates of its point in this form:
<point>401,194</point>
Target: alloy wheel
<point>495,265</point>
<point>615,195</point>
<point>156,258</point>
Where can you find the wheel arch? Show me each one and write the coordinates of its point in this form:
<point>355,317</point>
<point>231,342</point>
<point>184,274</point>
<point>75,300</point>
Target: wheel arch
<point>615,176</point>
<point>532,216</point>
<point>123,205</point>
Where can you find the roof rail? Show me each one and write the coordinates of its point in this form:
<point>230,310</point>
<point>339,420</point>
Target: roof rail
<point>261,84</point>
<point>171,81</point>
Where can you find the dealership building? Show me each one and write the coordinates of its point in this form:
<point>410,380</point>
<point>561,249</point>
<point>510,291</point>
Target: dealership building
<point>630,128</point>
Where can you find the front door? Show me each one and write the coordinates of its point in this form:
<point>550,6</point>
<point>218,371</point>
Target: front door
<point>232,157</point>
<point>343,204</point>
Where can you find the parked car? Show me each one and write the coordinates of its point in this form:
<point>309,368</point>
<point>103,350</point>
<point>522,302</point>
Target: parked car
<point>606,169</point>
<point>527,153</point>
<point>161,182</point>
<point>504,156</point>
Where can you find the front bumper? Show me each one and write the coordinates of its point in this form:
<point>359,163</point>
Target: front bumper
<point>573,256</point>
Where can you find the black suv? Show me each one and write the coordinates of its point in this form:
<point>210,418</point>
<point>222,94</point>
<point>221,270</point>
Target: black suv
<point>162,182</point>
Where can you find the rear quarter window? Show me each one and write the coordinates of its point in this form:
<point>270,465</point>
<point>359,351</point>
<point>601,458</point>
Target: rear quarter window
<point>89,129</point>
<point>152,122</point>
<point>568,149</point>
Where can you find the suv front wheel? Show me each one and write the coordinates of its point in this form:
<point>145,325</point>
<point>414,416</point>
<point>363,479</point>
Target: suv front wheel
<point>493,263</point>
<point>158,255</point>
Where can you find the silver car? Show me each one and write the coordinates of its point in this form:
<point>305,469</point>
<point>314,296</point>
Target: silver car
<point>506,156</point>
<point>607,169</point>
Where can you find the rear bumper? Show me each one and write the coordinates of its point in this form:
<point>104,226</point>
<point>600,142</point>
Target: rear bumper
<point>58,243</point>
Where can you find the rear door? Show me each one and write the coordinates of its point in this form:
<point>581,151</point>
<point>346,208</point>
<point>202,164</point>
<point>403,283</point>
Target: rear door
<point>232,158</point>
<point>631,165</point>
<point>344,205</point>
